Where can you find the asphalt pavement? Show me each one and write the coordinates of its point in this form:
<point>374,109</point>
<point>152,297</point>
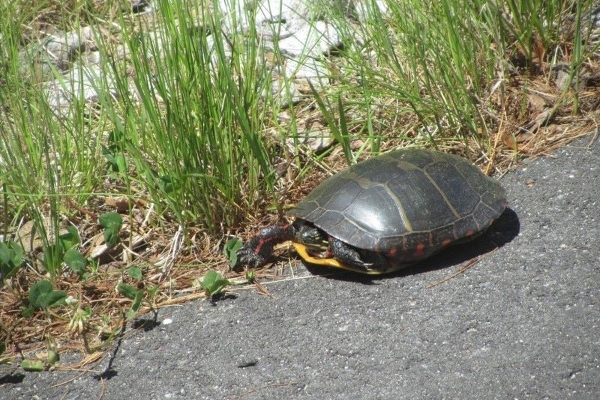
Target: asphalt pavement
<point>522,322</point>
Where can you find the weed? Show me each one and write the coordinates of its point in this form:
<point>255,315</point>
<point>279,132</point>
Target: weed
<point>11,259</point>
<point>43,296</point>
<point>112,223</point>
<point>44,361</point>
<point>230,251</point>
<point>214,284</point>
<point>133,293</point>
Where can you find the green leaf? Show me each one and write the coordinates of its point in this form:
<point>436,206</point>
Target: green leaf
<point>55,298</point>
<point>27,312</point>
<point>17,254</point>
<point>112,223</point>
<point>250,275</point>
<point>120,162</point>
<point>5,254</point>
<point>135,272</point>
<point>111,220</point>
<point>33,365</point>
<point>152,290</point>
<point>214,283</point>
<point>76,261</point>
<point>38,292</point>
<point>11,258</point>
<point>132,293</point>
<point>230,251</point>
<point>111,238</point>
<point>42,295</point>
<point>127,290</point>
<point>135,306</point>
<point>116,161</point>
<point>169,184</point>
<point>210,278</point>
<point>70,239</point>
<point>53,357</point>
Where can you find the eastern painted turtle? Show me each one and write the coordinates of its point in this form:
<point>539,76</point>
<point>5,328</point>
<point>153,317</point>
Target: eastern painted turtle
<point>386,213</point>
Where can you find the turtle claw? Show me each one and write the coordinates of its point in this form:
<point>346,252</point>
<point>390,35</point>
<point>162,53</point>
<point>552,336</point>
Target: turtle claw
<point>247,256</point>
<point>257,251</point>
<point>347,255</point>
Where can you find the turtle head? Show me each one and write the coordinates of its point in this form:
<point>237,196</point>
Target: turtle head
<point>312,237</point>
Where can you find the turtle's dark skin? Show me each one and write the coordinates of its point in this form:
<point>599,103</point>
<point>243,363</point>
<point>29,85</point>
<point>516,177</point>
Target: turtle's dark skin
<point>259,249</point>
<point>386,213</point>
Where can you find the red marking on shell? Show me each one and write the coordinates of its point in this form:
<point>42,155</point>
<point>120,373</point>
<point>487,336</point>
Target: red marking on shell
<point>392,252</point>
<point>419,250</point>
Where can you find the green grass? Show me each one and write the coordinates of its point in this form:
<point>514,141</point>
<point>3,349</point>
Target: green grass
<point>187,130</point>
<point>194,139</point>
<point>442,61</point>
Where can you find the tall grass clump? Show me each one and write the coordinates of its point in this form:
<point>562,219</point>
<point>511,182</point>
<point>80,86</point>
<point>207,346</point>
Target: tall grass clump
<point>448,63</point>
<point>47,160</point>
<point>194,129</point>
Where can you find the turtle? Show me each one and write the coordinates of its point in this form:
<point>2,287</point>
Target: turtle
<point>385,213</point>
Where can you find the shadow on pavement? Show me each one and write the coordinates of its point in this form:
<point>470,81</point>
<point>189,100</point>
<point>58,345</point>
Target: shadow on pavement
<point>12,378</point>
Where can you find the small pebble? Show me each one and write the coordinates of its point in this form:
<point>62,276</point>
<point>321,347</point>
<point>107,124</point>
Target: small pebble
<point>247,362</point>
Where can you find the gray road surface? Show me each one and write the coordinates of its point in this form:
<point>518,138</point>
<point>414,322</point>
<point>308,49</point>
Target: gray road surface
<point>522,323</point>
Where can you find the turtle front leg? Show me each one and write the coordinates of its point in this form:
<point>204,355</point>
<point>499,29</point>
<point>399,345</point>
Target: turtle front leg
<point>257,251</point>
<point>347,255</point>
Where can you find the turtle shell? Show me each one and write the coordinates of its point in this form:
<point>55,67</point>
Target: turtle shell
<point>404,205</point>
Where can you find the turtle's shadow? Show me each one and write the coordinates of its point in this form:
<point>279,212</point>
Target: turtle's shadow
<point>501,232</point>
